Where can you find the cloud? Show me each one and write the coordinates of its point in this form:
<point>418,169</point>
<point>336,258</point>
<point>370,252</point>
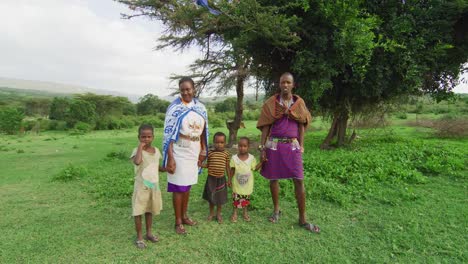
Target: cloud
<point>80,43</point>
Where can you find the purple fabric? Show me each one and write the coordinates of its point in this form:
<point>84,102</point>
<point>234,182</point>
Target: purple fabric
<point>177,188</point>
<point>284,162</point>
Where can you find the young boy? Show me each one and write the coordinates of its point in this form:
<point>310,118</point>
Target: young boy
<point>215,187</point>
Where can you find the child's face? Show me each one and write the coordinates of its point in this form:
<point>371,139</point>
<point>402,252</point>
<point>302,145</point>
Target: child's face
<point>243,146</point>
<point>146,136</point>
<point>219,142</point>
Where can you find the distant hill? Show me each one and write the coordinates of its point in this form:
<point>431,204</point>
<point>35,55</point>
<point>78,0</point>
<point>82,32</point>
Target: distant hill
<point>58,88</point>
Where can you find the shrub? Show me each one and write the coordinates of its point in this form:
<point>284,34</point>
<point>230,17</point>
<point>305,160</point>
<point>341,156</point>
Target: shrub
<point>451,126</point>
<point>120,154</point>
<point>215,122</point>
<point>57,125</point>
<point>71,172</point>
<point>83,127</point>
<point>10,120</point>
<point>401,115</point>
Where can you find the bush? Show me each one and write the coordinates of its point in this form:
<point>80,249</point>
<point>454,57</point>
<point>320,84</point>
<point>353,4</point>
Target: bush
<point>83,127</point>
<point>10,120</point>
<point>57,125</point>
<point>71,173</point>
<point>401,115</point>
<point>121,155</point>
<point>451,126</point>
<point>215,122</point>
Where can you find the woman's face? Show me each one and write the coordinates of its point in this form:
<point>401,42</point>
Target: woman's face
<point>186,91</point>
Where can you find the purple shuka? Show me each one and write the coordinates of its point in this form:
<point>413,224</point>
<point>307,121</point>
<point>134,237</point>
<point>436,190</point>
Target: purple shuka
<point>286,161</point>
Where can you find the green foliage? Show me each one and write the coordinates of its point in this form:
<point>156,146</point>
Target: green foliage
<point>151,104</point>
<point>10,120</point>
<point>401,115</point>
<point>57,125</point>
<point>70,173</point>
<point>349,175</point>
<point>107,104</point>
<point>59,108</point>
<point>216,122</point>
<point>81,110</point>
<point>120,154</point>
<point>83,127</point>
<point>228,105</point>
<point>37,106</point>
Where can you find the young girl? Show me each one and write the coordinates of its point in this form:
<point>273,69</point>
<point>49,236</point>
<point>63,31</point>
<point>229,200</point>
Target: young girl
<point>215,187</point>
<point>146,193</point>
<point>241,178</point>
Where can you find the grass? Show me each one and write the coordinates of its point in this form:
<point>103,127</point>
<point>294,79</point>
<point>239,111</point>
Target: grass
<point>87,218</point>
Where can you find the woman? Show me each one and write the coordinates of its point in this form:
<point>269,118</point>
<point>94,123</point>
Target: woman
<point>184,148</point>
<point>283,121</point>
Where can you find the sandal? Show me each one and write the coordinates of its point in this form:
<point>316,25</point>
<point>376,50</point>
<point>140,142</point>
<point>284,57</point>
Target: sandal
<point>188,221</point>
<point>246,218</point>
<point>210,218</point>
<point>152,238</point>
<point>311,227</point>
<point>179,229</point>
<point>274,217</point>
<point>234,218</point>
<point>219,219</point>
<point>140,244</point>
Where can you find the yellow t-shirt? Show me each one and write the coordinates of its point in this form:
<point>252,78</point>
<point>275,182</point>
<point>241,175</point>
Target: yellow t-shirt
<point>243,179</point>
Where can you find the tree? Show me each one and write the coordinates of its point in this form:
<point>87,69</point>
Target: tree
<point>81,111</point>
<point>107,105</point>
<point>37,106</point>
<point>228,105</point>
<point>150,104</point>
<point>59,108</point>
<point>10,120</point>
<point>348,57</point>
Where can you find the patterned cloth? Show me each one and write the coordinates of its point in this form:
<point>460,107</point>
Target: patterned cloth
<point>273,110</point>
<point>240,201</point>
<point>217,162</point>
<point>175,113</point>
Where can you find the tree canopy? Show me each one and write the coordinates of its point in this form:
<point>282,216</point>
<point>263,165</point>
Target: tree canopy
<point>348,57</point>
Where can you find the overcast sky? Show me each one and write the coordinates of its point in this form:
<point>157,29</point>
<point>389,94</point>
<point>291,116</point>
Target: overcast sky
<point>85,42</point>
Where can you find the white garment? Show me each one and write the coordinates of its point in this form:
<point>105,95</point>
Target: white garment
<point>186,151</point>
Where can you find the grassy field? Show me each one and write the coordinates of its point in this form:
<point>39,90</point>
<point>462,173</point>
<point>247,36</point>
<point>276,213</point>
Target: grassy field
<point>395,195</point>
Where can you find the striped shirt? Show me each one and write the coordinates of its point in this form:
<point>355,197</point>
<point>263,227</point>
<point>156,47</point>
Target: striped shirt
<point>217,162</point>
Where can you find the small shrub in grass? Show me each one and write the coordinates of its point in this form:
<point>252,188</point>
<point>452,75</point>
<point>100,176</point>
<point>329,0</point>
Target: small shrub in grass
<point>119,154</point>
<point>401,115</point>
<point>216,122</point>
<point>20,151</point>
<point>70,173</point>
<point>83,127</point>
<point>57,125</point>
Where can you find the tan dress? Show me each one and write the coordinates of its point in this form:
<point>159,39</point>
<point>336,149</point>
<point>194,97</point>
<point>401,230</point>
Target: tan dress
<point>146,199</point>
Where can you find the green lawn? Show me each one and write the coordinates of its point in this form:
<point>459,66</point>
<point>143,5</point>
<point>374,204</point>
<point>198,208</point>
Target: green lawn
<point>399,216</point>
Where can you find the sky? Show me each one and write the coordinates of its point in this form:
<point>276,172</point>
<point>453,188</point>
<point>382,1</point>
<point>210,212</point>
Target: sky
<point>86,43</point>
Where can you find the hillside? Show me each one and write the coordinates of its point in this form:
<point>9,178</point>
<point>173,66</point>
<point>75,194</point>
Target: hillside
<point>57,89</point>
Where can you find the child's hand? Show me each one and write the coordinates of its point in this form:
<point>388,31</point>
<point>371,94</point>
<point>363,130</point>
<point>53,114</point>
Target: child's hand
<point>229,184</point>
<point>264,157</point>
<point>141,145</point>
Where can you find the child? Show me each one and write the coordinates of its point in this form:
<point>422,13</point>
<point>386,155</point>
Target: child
<point>146,193</point>
<point>215,187</point>
<point>241,178</point>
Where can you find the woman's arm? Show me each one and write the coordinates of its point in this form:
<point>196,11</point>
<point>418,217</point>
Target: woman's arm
<point>171,165</point>
<point>203,147</point>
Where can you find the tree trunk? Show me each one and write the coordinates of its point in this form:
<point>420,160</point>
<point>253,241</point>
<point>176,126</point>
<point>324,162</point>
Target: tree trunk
<point>337,130</point>
<point>234,126</point>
